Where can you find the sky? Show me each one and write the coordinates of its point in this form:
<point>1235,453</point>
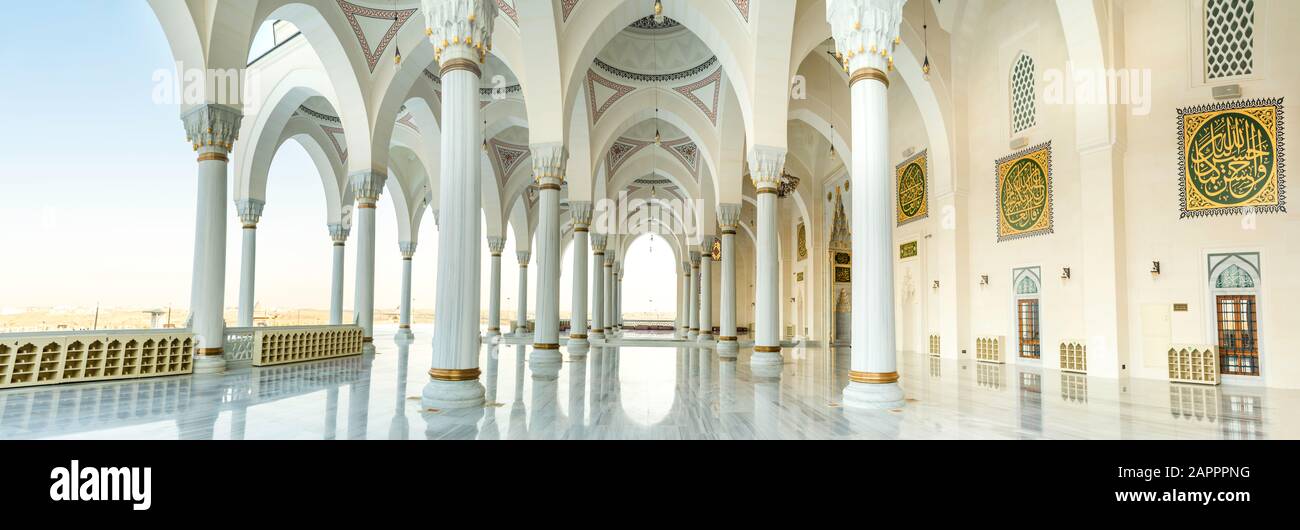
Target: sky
<point>98,184</point>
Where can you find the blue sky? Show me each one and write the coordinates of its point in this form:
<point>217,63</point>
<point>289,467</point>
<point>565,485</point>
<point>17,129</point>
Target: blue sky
<point>97,183</point>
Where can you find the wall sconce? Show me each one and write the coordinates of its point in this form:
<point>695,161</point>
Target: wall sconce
<point>936,284</point>
<point>1155,269</point>
<point>984,279</point>
<point>1065,273</point>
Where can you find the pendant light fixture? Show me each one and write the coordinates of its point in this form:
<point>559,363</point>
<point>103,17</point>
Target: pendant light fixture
<point>485,146</point>
<point>397,50</point>
<point>659,12</point>
<point>925,34</point>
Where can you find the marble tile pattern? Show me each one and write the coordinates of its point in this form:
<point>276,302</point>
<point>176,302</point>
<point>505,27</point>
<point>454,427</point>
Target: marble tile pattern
<point>644,388</point>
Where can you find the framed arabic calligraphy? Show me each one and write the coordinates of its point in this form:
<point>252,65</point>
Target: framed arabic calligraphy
<point>911,179</point>
<point>1023,193</point>
<point>1230,158</point>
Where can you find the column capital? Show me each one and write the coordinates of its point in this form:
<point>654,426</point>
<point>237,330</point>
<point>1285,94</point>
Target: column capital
<point>339,233</point>
<point>609,259</point>
<point>549,164</point>
<point>728,217</point>
<point>865,33</point>
<point>407,248</point>
<point>212,128</point>
<point>598,242</point>
<point>250,211</point>
<point>367,186</point>
<point>580,211</point>
<point>686,266</point>
<point>437,221</point>
<point>766,164</point>
<point>523,256</point>
<point>695,259</point>
<point>496,245</point>
<point>459,30</point>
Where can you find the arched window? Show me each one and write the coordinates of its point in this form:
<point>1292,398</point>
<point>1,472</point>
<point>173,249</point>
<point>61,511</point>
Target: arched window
<point>1229,38</point>
<point>1023,81</point>
<point>1234,278</point>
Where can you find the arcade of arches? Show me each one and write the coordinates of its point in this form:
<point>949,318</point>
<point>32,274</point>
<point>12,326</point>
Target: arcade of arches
<point>877,209</point>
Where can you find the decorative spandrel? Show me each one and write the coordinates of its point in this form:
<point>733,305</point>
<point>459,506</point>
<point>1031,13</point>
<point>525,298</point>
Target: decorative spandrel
<point>1024,193</point>
<point>913,199</point>
<point>1230,158</point>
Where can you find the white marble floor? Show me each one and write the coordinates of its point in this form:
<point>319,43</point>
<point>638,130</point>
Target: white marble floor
<point>641,391</point>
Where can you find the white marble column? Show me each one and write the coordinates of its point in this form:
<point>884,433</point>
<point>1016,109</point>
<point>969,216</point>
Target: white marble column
<point>865,33</point>
<point>548,169</point>
<point>367,186</point>
<point>495,245</point>
<point>610,323</point>
<point>212,130</point>
<point>404,320</point>
<point>706,298</point>
<point>461,33</point>
<point>521,313</point>
<point>728,220</point>
<point>684,304</point>
<point>250,212</point>
<point>618,296</point>
<point>598,287</point>
<point>766,165</point>
<point>693,296</point>
<point>339,237</point>
<point>580,212</point>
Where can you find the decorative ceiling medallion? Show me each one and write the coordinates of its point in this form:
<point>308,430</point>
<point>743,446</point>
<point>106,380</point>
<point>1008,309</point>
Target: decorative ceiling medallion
<point>694,91</point>
<point>395,19</point>
<point>622,150</point>
<point>603,93</point>
<point>509,9</point>
<point>743,6</point>
<point>687,153</point>
<point>507,157</point>
<point>657,78</point>
<point>648,23</point>
<point>567,6</point>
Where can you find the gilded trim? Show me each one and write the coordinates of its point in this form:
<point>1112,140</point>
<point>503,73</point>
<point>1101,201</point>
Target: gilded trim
<point>213,157</point>
<point>546,346</point>
<point>728,232</point>
<point>549,187</point>
<point>873,378</point>
<point>338,244</point>
<point>498,330</point>
<point>767,190</point>
<point>368,340</point>
<point>404,326</point>
<point>767,349</point>
<point>366,206</point>
<point>250,227</point>
<point>869,73</point>
<point>578,336</point>
<point>598,330</point>
<point>726,339</point>
<point>466,374</point>
<point>210,352</point>
<point>460,64</point>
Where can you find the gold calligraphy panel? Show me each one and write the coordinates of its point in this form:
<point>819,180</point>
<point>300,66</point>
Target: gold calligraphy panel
<point>1024,193</point>
<point>1230,158</point>
<point>843,275</point>
<point>911,179</point>
<point>803,242</point>
<point>907,250</point>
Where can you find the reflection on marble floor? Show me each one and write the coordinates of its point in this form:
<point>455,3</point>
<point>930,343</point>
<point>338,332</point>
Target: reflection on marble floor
<point>641,392</point>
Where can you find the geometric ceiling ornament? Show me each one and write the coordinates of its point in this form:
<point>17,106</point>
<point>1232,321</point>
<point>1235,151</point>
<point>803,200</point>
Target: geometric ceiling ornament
<point>339,140</point>
<point>374,25</point>
<point>704,94</point>
<point>687,153</point>
<point>622,150</point>
<point>568,6</point>
<point>408,120</point>
<point>743,6</point>
<point>508,8</point>
<point>603,93</point>
<point>507,157</point>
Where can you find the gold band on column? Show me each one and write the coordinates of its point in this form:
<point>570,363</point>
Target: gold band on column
<point>467,374</point>
<point>767,349</point>
<point>578,336</point>
<point>337,244</point>
<point>598,330</point>
<point>580,229</point>
<point>366,206</point>
<point>873,378</point>
<point>694,329</point>
<point>460,64</point>
<point>869,73</point>
<point>546,347</point>
<point>598,253</point>
<point>210,352</point>
<point>213,157</point>
<point>404,326</point>
<point>767,190</point>
<point>544,187</point>
<point>728,232</point>
<point>367,340</point>
<point>726,339</point>
<point>498,330</point>
<point>250,227</point>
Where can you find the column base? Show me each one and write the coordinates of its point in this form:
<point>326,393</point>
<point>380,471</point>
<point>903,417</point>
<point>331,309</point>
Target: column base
<point>596,335</point>
<point>440,394</point>
<point>404,332</point>
<point>693,335</point>
<point>706,337</point>
<point>492,336</point>
<point>766,361</point>
<point>545,356</point>
<point>873,395</point>
<point>578,350</point>
<point>728,349</point>
<point>209,364</point>
<point>578,343</point>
